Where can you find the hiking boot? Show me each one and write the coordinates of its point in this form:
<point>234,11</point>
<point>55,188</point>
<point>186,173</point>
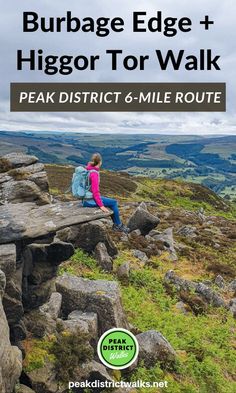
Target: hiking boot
<point>120,228</point>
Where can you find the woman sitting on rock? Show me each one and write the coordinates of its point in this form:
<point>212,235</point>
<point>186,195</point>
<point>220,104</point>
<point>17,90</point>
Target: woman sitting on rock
<point>103,202</point>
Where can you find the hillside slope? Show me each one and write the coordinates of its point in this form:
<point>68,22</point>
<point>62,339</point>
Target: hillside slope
<point>178,204</point>
<point>163,191</point>
<point>204,234</point>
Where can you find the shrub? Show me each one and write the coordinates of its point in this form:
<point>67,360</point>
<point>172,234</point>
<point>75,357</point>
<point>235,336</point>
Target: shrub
<point>70,351</point>
<point>5,165</point>
<point>18,175</point>
<point>82,264</point>
<point>37,353</point>
<point>82,258</point>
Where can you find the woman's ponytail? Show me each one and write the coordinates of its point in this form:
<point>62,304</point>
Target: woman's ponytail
<point>96,159</point>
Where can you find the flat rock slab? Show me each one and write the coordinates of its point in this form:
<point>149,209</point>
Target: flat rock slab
<point>28,221</point>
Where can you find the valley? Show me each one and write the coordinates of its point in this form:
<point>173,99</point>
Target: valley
<point>210,161</point>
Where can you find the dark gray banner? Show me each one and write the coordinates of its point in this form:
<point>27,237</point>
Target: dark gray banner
<point>118,97</point>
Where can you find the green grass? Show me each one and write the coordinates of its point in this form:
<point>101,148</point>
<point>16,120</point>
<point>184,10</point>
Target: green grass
<point>206,359</point>
<point>82,264</point>
<point>187,196</point>
<point>84,259</point>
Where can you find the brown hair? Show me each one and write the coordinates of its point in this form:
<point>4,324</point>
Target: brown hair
<point>95,159</point>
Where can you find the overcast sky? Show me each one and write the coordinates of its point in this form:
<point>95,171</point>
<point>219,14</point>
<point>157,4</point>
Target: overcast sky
<point>220,38</point>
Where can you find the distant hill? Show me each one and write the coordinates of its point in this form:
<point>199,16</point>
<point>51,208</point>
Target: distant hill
<point>210,161</point>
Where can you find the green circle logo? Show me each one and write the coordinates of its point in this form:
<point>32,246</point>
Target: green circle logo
<point>117,348</point>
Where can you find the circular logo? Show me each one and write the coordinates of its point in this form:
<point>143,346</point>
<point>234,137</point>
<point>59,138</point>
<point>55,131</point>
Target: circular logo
<point>117,348</point>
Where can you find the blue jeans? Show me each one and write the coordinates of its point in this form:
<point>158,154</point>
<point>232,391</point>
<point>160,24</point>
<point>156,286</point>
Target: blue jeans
<point>107,202</point>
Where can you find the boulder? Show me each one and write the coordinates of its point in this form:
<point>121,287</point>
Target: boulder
<point>123,271</point>
<point>35,173</point>
<point>18,332</point>
<point>149,238</point>
<point>53,306</point>
<point>29,169</point>
<point>103,258</point>
<point>41,260</point>
<point>24,389</point>
<point>124,238</point>
<point>209,296</point>
<point>187,231</point>
<point>232,307</point>
<point>201,214</point>
<point>232,286</point>
<point>153,233</point>
<point>24,180</point>
<point>39,323</point>
<point>23,191</point>
<point>8,259</point>
<point>87,236</point>
<point>153,348</point>
<point>17,160</point>
<point>11,359</point>
<point>40,264</point>
<point>178,282</point>
<point>28,221</point>
<point>41,180</point>
<point>100,297</point>
<point>12,299</point>
<point>90,318</point>
<point>219,281</point>
<point>136,232</point>
<point>72,326</point>
<point>167,239</point>
<point>182,307</point>
<point>142,220</point>
<point>44,320</point>
<point>43,380</point>
<point>92,371</point>
<point>12,302</point>
<point>34,296</point>
<point>140,255</point>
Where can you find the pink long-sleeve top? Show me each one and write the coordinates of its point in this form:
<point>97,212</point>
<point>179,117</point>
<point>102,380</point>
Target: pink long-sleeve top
<point>94,180</point>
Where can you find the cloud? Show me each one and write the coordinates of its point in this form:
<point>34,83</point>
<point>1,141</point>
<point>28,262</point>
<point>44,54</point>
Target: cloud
<point>220,37</point>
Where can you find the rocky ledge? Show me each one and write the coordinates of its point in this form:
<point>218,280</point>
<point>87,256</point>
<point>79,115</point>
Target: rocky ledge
<point>32,226</point>
<point>37,234</point>
<point>29,221</point>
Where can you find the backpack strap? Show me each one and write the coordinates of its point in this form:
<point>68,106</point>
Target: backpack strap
<point>88,179</point>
